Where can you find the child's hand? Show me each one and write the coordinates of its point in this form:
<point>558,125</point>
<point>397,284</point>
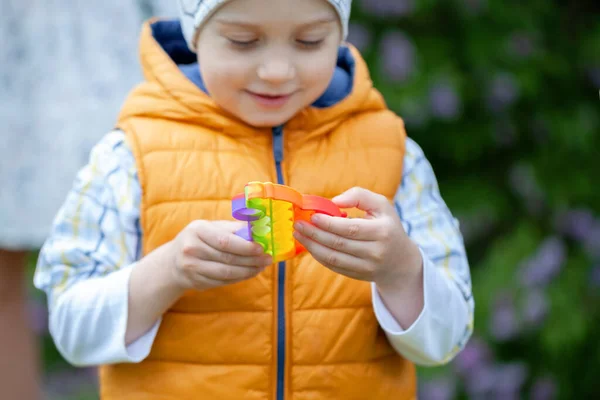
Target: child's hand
<point>374,249</point>
<point>208,254</point>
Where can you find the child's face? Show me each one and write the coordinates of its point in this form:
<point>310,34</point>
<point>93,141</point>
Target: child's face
<point>265,60</point>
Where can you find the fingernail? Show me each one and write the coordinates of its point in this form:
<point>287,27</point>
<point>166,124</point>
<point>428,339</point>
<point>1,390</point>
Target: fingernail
<point>316,218</point>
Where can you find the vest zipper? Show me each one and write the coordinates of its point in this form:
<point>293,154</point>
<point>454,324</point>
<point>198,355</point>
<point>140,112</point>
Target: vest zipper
<point>281,339</point>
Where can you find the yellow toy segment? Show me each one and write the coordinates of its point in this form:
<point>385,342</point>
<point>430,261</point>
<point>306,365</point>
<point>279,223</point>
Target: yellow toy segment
<point>274,230</point>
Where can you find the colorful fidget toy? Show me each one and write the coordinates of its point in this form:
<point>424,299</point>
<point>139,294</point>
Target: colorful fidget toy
<point>271,210</point>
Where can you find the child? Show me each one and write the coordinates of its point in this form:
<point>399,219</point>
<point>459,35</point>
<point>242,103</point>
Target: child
<point>143,270</point>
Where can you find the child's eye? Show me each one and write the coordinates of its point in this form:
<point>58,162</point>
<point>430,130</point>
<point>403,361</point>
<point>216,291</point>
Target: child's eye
<point>243,43</point>
<point>310,43</point>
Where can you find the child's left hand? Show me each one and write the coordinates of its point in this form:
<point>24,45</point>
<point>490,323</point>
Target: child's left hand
<point>374,249</point>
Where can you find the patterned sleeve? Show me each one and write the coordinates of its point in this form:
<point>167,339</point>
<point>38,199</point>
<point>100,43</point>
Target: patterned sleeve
<point>97,229</point>
<point>446,321</point>
<point>429,222</point>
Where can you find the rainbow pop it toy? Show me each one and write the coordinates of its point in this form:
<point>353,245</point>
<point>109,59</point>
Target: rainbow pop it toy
<point>271,210</point>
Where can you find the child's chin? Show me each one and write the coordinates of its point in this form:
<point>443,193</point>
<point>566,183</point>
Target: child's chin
<point>267,120</point>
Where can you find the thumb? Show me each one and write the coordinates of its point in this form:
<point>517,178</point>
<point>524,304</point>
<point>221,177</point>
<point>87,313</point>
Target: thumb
<point>230,226</point>
<point>363,199</point>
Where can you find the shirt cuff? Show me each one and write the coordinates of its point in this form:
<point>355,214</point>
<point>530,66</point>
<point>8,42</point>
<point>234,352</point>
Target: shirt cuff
<point>139,349</point>
<point>429,340</point>
<point>89,322</point>
<point>385,318</point>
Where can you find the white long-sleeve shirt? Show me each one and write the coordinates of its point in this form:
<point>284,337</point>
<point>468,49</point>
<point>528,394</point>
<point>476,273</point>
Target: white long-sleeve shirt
<point>85,265</point>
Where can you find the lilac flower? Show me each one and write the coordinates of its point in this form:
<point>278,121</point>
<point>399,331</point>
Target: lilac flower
<point>359,36</point>
<point>444,101</point>
<point>500,381</point>
<point>595,277</point>
<point>544,389</point>
<point>552,252</point>
<point>398,56</point>
<point>540,269</point>
<point>504,324</point>
<point>475,355</point>
<point>510,378</point>
<point>388,8</point>
<point>592,241</point>
<point>438,389</point>
<point>481,382</point>
<point>521,45</point>
<point>70,382</point>
<point>506,395</point>
<point>577,224</point>
<point>38,317</point>
<point>503,92</point>
<point>536,307</point>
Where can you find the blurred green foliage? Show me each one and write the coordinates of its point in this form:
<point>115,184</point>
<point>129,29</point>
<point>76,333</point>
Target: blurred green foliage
<point>504,99</point>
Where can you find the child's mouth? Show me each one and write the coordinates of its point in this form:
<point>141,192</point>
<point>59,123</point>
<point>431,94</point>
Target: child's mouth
<point>269,100</point>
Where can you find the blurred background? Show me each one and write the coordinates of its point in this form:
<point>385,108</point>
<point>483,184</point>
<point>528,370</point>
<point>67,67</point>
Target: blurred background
<point>502,95</point>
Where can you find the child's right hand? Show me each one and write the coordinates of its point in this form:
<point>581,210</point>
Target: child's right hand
<point>208,254</point>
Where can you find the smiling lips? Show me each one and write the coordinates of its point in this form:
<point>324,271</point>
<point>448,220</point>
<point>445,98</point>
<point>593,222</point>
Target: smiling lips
<point>268,100</point>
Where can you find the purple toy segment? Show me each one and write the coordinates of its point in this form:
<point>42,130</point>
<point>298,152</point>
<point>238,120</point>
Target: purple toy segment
<point>241,212</point>
<point>245,233</point>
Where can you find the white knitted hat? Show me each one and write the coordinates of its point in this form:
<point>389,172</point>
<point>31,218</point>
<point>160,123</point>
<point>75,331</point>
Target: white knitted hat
<point>194,13</point>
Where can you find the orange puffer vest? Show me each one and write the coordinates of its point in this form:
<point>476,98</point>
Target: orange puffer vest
<point>298,331</point>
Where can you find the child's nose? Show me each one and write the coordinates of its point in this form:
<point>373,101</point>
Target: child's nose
<point>276,71</point>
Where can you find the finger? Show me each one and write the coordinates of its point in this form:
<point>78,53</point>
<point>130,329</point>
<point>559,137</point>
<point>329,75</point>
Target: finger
<point>225,241</point>
<point>336,242</point>
<point>245,261</point>
<point>196,249</point>
<point>226,273</point>
<point>230,226</point>
<point>206,252</point>
<point>374,204</point>
<point>330,258</point>
<point>350,228</point>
